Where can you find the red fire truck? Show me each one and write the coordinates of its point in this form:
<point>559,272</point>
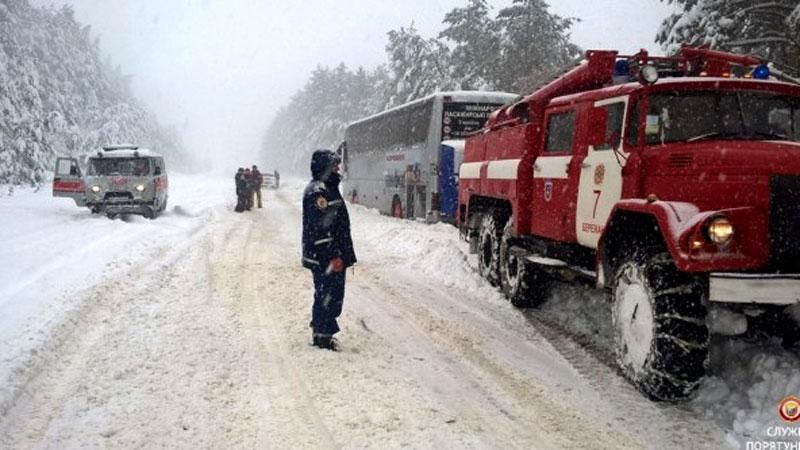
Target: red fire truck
<point>672,182</point>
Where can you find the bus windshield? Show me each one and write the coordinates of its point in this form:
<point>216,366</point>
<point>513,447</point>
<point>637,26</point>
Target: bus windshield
<point>736,115</point>
<point>119,166</point>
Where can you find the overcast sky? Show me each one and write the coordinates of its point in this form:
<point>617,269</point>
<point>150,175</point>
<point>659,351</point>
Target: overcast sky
<point>219,69</point>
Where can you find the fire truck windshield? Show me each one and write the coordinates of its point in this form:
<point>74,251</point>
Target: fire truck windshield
<point>733,115</point>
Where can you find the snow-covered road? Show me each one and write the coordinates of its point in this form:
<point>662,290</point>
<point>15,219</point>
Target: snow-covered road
<point>194,335</point>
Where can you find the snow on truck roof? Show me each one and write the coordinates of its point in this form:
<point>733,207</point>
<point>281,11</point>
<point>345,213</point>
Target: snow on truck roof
<point>505,97</point>
<point>126,151</point>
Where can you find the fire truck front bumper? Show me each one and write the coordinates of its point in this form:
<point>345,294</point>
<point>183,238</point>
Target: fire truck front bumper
<point>771,289</point>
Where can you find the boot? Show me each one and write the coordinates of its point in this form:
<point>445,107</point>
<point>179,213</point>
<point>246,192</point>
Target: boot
<point>326,342</point>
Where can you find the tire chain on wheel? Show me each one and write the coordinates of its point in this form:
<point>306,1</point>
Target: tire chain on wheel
<point>679,351</point>
<point>531,287</point>
<point>492,233</point>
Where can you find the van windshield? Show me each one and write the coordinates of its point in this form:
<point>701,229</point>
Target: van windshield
<point>119,166</point>
<point>736,115</point>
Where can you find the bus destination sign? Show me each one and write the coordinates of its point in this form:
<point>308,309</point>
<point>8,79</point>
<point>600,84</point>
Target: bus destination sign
<point>461,119</point>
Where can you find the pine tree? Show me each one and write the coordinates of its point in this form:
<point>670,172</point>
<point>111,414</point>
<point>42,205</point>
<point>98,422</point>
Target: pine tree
<point>767,28</point>
<point>58,98</point>
<point>419,66</point>
<point>535,45</point>
<point>476,44</point>
<point>524,45</point>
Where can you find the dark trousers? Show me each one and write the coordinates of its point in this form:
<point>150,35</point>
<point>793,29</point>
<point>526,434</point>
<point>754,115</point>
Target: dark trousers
<point>241,202</point>
<point>328,298</point>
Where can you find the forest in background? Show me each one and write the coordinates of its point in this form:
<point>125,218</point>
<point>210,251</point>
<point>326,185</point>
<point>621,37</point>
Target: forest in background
<point>58,97</point>
<point>514,49</point>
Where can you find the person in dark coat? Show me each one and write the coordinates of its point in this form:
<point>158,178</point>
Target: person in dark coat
<point>248,177</point>
<point>241,190</point>
<point>258,182</point>
<point>327,245</point>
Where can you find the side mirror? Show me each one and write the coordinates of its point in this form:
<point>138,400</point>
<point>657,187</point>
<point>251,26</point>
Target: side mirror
<point>598,122</point>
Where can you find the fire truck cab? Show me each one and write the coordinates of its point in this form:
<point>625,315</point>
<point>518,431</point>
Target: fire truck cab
<point>673,182</point>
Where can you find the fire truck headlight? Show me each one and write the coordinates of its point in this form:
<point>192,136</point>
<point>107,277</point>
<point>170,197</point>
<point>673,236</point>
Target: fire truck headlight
<point>648,74</point>
<point>720,230</point>
<point>140,188</point>
<point>95,189</point>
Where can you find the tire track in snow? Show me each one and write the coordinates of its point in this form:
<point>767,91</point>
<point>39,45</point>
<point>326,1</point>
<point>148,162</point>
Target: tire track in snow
<point>617,398</point>
<point>288,416</point>
<point>127,373</point>
<point>489,394</point>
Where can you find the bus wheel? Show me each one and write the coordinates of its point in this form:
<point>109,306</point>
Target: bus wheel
<point>397,208</point>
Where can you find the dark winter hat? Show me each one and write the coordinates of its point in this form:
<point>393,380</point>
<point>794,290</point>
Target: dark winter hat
<point>322,161</point>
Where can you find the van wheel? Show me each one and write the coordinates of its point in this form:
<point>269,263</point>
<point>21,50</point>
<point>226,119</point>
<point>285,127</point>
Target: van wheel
<point>659,321</point>
<point>149,213</point>
<point>489,249</point>
<point>523,284</point>
<point>397,208</point>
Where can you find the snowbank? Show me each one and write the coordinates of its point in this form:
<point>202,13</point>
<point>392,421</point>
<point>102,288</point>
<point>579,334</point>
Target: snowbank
<point>52,250</point>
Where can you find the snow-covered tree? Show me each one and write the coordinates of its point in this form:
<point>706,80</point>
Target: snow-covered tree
<point>523,46</point>
<point>420,66</point>
<point>476,39</point>
<point>767,28</point>
<point>535,45</point>
<point>58,98</point>
<point>317,115</point>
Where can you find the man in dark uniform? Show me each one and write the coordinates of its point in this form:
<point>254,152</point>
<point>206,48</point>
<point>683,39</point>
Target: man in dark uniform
<point>241,190</point>
<point>248,176</point>
<point>327,245</point>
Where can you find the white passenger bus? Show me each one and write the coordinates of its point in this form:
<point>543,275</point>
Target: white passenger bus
<point>393,160</point>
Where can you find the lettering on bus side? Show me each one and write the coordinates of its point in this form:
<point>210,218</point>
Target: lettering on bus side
<point>461,119</point>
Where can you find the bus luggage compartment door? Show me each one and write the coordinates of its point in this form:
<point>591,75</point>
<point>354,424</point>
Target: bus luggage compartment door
<point>448,182</point>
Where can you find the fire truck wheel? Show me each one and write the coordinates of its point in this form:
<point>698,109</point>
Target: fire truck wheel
<point>660,331</point>
<point>523,284</point>
<point>489,249</point>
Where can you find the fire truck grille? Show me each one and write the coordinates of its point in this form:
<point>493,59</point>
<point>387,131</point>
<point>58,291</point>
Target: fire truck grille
<point>784,219</point>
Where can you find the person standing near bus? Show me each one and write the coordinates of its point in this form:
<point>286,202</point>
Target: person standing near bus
<point>327,245</point>
<point>410,182</point>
